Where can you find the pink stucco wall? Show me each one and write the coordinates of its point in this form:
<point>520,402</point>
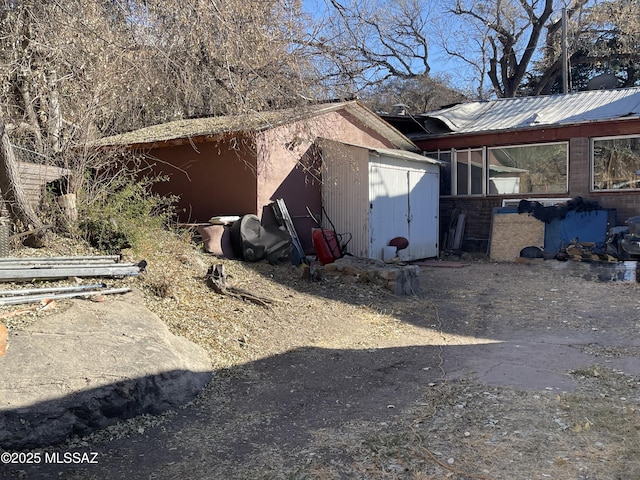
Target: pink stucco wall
<point>214,179</point>
<point>284,172</point>
<point>210,178</point>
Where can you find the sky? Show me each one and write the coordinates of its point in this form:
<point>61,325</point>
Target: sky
<point>458,33</point>
<point>441,63</point>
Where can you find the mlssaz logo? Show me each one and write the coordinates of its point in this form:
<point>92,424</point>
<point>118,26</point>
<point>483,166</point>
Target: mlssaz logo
<point>71,457</point>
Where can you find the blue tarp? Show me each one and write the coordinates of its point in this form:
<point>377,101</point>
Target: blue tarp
<point>581,226</point>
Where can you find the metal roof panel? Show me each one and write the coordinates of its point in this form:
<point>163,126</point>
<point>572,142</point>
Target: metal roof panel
<point>548,110</point>
<point>404,155</point>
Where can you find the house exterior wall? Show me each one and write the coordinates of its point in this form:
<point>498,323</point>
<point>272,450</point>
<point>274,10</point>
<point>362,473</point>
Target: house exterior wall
<point>241,174</point>
<point>210,178</point>
<point>479,208</point>
<point>288,168</point>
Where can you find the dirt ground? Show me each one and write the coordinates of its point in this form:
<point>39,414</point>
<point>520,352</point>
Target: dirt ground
<point>493,371</point>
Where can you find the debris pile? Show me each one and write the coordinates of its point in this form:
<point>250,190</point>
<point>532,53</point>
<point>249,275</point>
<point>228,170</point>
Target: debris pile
<point>548,214</point>
<point>578,230</point>
<point>399,279</point>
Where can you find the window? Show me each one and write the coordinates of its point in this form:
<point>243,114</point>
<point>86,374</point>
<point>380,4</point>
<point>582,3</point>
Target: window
<point>443,156</point>
<point>468,174</point>
<point>469,171</point>
<point>616,163</point>
<point>538,168</point>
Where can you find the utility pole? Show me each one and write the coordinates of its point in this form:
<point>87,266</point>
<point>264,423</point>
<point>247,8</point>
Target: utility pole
<point>565,61</point>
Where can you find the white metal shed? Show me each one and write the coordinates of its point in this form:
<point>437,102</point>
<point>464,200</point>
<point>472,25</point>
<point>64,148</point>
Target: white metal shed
<point>377,194</point>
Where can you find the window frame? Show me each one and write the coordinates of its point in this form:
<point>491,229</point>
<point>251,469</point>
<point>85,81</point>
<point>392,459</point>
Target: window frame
<point>565,191</point>
<point>483,173</point>
<point>454,152</point>
<point>592,165</point>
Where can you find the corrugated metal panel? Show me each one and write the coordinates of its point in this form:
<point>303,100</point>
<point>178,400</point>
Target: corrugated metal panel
<point>368,193</point>
<point>527,112</point>
<point>345,193</point>
<point>389,202</point>
<point>424,213</point>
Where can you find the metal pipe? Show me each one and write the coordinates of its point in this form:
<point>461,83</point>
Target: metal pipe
<point>66,271</point>
<point>81,259</point>
<point>52,266</point>
<point>31,291</point>
<point>39,298</point>
<point>564,54</point>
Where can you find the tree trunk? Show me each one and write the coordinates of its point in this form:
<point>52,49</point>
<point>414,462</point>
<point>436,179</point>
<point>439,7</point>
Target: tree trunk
<point>12,192</point>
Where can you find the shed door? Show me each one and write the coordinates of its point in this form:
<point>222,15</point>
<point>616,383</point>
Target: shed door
<point>424,197</point>
<point>403,202</point>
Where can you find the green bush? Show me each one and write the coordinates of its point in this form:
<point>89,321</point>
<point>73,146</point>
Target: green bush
<point>124,213</point>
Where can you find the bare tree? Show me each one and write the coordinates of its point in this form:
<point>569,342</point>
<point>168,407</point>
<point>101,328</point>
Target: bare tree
<point>603,37</point>
<point>545,75</point>
<point>219,57</point>
<point>76,70</point>
<point>514,45</point>
<point>142,62</point>
<point>12,193</point>
<point>55,62</point>
<point>610,40</point>
<point>466,43</point>
<point>417,94</point>
<point>514,28</point>
<point>365,42</point>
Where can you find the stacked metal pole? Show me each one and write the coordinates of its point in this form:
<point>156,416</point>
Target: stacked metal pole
<point>51,268</point>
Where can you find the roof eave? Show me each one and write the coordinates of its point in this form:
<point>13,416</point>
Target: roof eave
<point>524,129</point>
<point>174,142</point>
<point>384,128</point>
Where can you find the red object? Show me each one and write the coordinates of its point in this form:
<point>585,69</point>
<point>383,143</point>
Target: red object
<point>399,242</point>
<point>326,244</point>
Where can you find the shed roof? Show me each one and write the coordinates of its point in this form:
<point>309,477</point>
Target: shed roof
<point>549,110</point>
<point>403,155</point>
<point>389,152</point>
<point>211,128</point>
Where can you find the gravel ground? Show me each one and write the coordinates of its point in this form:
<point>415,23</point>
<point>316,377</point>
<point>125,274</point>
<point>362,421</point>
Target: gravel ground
<point>341,379</point>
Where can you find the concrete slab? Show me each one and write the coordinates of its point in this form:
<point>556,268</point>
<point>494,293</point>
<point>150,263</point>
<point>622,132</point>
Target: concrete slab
<point>91,365</point>
<point>537,363</point>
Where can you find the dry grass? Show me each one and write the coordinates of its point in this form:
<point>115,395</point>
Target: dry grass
<point>459,430</point>
<point>462,430</point>
<point>498,433</point>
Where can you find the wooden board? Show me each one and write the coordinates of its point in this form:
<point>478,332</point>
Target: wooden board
<point>511,232</point>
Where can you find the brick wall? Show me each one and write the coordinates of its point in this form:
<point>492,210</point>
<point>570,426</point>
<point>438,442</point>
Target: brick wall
<point>479,210</point>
